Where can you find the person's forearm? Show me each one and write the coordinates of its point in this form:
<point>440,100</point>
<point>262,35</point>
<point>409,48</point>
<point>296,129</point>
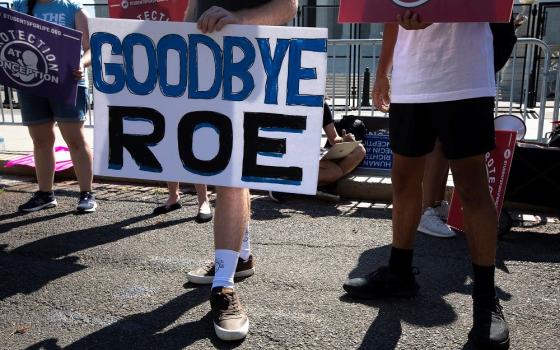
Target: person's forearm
<point>190,13</point>
<point>390,33</point>
<point>86,58</point>
<point>274,13</point>
<point>331,133</point>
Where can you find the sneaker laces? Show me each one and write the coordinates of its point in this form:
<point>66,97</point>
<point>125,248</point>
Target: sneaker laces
<point>85,195</point>
<point>209,266</point>
<point>229,304</point>
<point>385,269</point>
<point>431,217</point>
<point>378,272</point>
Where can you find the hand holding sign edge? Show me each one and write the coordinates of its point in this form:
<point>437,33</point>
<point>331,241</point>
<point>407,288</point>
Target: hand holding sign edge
<point>411,21</point>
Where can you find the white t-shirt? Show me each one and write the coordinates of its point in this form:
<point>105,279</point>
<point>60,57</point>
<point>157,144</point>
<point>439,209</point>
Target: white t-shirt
<point>444,62</point>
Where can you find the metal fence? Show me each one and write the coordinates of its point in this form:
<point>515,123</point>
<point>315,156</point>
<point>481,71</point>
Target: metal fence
<point>351,60</point>
<point>349,93</point>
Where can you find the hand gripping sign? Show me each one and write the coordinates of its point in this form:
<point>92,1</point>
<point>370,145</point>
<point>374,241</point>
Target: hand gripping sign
<point>238,108</point>
<point>385,11</point>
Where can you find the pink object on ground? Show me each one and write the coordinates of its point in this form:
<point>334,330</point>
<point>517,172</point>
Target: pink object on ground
<point>61,158</point>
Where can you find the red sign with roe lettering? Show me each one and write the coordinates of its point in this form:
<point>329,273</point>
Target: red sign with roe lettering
<point>148,10</point>
<point>431,11</point>
<point>498,165</point>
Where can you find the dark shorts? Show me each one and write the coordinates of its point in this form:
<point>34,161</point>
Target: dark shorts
<point>38,110</point>
<point>465,128</point>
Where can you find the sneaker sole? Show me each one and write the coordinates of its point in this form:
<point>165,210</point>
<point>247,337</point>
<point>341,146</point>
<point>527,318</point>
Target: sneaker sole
<point>208,280</point>
<point>89,210</point>
<point>494,346</point>
<point>435,234</point>
<point>44,206</point>
<point>232,335</point>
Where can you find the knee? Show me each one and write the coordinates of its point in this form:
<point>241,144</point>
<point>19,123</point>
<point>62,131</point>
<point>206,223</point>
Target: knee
<point>358,154</point>
<point>403,182</point>
<point>44,141</point>
<point>361,151</point>
<point>76,143</point>
<point>331,174</point>
<point>474,195</point>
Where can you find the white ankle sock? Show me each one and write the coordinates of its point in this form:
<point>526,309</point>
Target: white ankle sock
<point>245,251</point>
<point>226,263</point>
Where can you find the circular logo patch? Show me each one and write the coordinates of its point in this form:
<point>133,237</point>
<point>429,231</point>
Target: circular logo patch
<point>23,63</point>
<point>410,3</point>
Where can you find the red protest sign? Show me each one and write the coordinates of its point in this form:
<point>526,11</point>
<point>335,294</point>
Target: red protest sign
<point>432,11</point>
<point>498,165</point>
<point>151,10</point>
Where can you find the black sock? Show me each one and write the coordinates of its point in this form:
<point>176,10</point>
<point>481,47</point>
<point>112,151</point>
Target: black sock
<point>484,290</point>
<point>401,261</point>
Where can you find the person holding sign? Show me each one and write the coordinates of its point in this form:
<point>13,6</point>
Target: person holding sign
<point>41,113</point>
<point>442,86</point>
<point>232,204</point>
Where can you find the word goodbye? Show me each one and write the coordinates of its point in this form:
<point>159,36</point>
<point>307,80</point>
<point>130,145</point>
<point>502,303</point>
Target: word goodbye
<point>190,69</point>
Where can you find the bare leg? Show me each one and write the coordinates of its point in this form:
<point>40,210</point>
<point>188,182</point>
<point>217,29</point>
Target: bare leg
<point>73,134</point>
<point>407,199</point>
<point>329,172</point>
<point>174,194</point>
<point>231,217</point>
<point>354,159</point>
<point>43,150</point>
<point>435,177</point>
<point>481,219</point>
<point>202,194</point>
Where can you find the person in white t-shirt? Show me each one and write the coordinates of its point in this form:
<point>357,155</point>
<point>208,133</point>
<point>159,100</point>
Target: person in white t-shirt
<point>442,88</point>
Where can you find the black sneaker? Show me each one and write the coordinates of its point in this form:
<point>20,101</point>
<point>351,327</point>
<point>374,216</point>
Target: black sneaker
<point>382,283</point>
<point>87,203</point>
<point>490,329</point>
<point>230,320</point>
<point>40,200</point>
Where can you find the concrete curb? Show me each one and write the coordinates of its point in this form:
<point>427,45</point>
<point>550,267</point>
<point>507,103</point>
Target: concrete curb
<point>362,184</point>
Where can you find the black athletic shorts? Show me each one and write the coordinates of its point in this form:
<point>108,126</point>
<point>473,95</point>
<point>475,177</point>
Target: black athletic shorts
<point>465,128</point>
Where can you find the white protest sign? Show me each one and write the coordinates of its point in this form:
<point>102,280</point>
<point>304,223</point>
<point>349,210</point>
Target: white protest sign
<point>238,108</point>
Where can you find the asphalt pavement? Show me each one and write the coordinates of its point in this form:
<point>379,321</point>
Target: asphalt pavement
<point>115,279</point>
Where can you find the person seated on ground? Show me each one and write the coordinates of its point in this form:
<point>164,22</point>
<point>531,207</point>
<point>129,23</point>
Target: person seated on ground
<point>173,202</point>
<point>330,171</point>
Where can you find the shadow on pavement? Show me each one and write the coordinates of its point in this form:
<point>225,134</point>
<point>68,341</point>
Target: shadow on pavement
<point>5,227</point>
<point>528,246</point>
<point>31,266</point>
<point>145,330</point>
<point>11,216</point>
<point>264,209</point>
<point>445,268</point>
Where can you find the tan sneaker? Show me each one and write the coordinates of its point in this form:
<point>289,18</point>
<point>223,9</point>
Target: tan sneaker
<point>205,274</point>
<point>230,320</point>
